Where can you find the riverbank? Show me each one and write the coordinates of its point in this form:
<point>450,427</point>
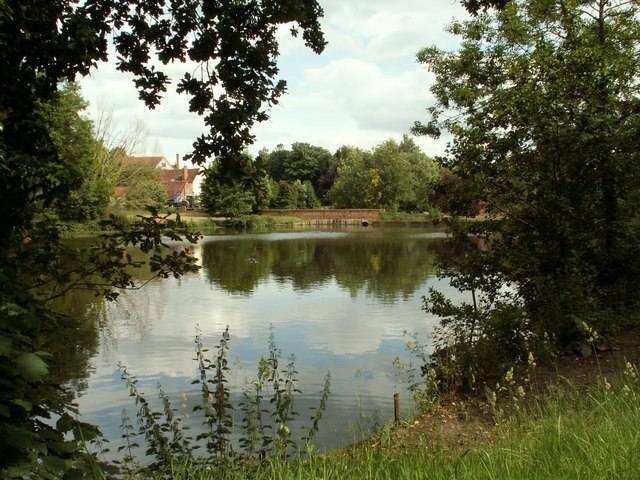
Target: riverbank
<point>196,220</point>
<point>577,417</point>
<point>284,219</point>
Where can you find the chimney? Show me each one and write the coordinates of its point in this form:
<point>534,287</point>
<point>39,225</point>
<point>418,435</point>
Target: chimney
<point>177,161</point>
<point>184,183</point>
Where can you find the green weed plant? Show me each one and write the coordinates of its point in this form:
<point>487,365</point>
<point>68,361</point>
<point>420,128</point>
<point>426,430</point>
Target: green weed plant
<point>223,446</point>
<point>566,433</point>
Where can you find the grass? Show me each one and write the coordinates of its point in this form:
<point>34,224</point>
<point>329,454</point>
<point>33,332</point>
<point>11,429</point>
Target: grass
<point>407,217</point>
<point>205,226</point>
<point>266,221</point>
<point>591,433</point>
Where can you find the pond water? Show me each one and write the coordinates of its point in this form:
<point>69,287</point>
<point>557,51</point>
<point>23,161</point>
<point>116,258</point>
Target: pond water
<point>339,300</point>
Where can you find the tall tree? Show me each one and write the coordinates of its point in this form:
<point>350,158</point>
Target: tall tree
<point>304,162</point>
<point>86,167</point>
<point>395,176</point>
<point>231,196</point>
<point>353,186</point>
<point>43,43</point>
<point>542,101</point>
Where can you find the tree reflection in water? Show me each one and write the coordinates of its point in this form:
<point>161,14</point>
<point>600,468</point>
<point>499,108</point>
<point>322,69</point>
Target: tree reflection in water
<point>386,265</point>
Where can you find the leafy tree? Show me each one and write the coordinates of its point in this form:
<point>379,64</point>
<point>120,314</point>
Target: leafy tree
<point>304,162</point>
<point>89,168</point>
<point>73,136</point>
<point>474,6</point>
<point>455,196</point>
<point>234,197</point>
<point>542,101</point>
<point>294,195</point>
<point>275,162</point>
<point>142,186</point>
<point>353,187</point>
<point>43,43</point>
<point>326,180</point>
<point>393,176</point>
<point>71,133</point>
<point>308,163</point>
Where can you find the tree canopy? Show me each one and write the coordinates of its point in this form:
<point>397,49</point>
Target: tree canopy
<point>395,176</point>
<point>303,162</point>
<point>234,196</point>
<point>228,51</point>
<point>542,101</point>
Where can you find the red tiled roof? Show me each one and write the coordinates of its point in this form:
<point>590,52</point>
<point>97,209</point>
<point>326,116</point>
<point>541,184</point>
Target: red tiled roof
<point>175,175</point>
<point>173,180</point>
<point>146,161</point>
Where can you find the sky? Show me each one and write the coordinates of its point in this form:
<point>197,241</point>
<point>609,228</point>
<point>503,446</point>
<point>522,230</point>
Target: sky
<point>365,88</point>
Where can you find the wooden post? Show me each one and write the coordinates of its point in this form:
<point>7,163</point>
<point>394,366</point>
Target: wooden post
<point>396,407</point>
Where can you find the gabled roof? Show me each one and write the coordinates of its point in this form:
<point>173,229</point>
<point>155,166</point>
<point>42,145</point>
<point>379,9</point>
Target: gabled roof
<point>173,180</point>
<point>175,175</point>
<point>151,162</point>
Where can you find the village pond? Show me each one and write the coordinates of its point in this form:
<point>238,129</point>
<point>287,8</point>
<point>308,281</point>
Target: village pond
<point>339,300</point>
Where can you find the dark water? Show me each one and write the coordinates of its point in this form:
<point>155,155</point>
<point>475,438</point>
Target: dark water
<point>338,300</point>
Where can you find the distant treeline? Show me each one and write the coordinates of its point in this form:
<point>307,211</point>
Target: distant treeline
<point>396,176</point>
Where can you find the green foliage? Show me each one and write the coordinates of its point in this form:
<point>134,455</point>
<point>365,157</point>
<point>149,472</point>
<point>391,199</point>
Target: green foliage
<point>541,100</point>
<point>264,432</point>
<point>44,157</point>
<point>234,196</point>
<point>263,221</point>
<point>304,163</point>
<point>569,433</point>
<point>71,135</point>
<point>142,187</point>
<point>455,196</point>
<point>432,216</point>
<point>353,187</point>
<point>393,176</point>
<point>39,432</point>
<point>294,195</point>
<point>88,169</point>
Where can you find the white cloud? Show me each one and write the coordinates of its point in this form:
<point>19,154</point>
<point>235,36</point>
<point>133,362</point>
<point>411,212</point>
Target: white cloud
<point>365,87</point>
<point>348,102</point>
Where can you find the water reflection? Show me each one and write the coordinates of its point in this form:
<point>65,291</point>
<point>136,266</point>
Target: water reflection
<point>70,362</point>
<point>339,301</point>
<point>385,265</point>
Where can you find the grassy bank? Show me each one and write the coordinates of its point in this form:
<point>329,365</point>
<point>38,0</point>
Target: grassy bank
<point>266,221</point>
<point>207,225</point>
<point>566,433</point>
<point>409,217</point>
<point>193,221</point>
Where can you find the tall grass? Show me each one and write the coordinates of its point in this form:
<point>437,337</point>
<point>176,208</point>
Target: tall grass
<point>565,434</point>
<point>409,217</point>
<point>265,221</point>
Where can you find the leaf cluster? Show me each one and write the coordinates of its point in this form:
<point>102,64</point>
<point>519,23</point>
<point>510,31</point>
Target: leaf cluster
<point>541,100</point>
<point>265,428</point>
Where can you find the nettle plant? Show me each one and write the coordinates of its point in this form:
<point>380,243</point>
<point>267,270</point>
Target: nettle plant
<point>265,429</point>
